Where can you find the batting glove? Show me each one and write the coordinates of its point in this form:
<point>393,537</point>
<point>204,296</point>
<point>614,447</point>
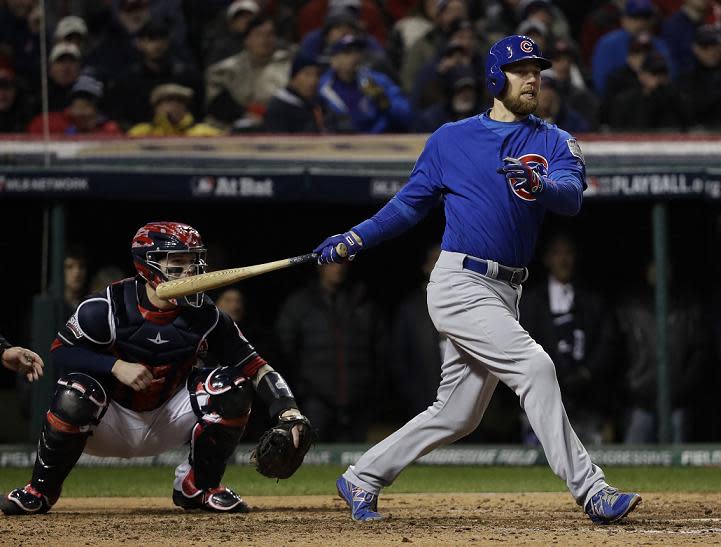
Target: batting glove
<point>522,176</point>
<point>339,248</point>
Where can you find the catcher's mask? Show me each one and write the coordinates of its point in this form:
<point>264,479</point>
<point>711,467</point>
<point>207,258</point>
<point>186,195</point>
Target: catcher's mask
<point>169,250</point>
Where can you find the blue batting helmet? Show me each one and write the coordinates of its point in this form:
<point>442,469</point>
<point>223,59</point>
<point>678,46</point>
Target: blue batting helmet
<point>510,49</point>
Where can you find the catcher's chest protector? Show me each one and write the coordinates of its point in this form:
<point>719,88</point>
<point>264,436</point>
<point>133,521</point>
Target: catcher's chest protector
<point>166,342</point>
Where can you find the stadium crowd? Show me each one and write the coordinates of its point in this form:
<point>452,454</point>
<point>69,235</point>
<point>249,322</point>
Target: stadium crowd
<point>181,67</point>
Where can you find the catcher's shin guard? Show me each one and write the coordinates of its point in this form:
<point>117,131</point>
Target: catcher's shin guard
<point>222,399</point>
<point>79,401</point>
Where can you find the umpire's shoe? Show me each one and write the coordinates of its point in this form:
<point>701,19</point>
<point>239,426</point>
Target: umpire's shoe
<point>363,505</point>
<point>219,500</point>
<point>609,505</point>
<point>26,501</point>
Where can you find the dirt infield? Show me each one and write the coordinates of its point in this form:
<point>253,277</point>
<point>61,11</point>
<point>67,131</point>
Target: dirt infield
<point>439,519</point>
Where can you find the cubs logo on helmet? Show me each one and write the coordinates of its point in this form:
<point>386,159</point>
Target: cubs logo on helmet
<point>510,49</point>
<point>536,162</point>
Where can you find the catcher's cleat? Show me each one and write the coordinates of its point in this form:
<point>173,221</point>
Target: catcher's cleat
<point>609,505</point>
<point>26,501</point>
<point>219,500</point>
<point>363,505</point>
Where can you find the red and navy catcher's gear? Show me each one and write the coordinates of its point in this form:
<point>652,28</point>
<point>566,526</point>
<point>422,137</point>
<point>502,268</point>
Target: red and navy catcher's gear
<point>158,240</point>
<point>510,49</point>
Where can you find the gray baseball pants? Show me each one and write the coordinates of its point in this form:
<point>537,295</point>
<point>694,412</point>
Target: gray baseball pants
<point>484,343</point>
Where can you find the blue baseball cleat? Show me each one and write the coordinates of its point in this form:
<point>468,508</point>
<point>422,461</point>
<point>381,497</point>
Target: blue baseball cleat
<point>363,505</point>
<point>609,505</point>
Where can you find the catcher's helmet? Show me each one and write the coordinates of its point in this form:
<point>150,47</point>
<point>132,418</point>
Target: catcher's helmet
<point>158,240</point>
<point>510,49</point>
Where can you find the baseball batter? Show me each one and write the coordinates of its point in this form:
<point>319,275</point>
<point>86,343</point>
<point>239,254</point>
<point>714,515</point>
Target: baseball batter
<point>133,386</point>
<point>496,173</point>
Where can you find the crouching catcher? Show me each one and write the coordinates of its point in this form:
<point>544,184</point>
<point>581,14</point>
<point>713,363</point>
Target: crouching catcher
<point>133,386</point>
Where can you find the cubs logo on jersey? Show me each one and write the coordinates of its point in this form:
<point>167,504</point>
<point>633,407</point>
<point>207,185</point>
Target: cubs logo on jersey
<point>536,162</point>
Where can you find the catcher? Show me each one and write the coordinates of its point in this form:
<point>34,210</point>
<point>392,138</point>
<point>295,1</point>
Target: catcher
<point>132,386</point>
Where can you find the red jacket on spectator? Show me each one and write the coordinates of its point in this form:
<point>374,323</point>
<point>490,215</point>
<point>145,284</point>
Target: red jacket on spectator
<point>63,123</point>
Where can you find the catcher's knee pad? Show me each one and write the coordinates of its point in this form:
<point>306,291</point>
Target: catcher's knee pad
<point>221,396</point>
<point>79,402</point>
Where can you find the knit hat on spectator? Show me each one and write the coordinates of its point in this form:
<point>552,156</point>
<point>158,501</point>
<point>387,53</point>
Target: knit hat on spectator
<point>655,63</point>
<point>639,8</point>
<point>64,49</point>
<point>707,35</point>
<point>348,43</point>
<point>341,16</point>
<point>459,77</point>
<point>69,25</point>
<point>87,87</point>
<point>241,6</point>
<point>300,61</point>
<point>154,29</point>
<point>561,47</point>
<point>170,91</point>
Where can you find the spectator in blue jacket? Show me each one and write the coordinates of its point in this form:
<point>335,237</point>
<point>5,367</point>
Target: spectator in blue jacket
<point>679,31</point>
<point>611,50</point>
<point>359,100</point>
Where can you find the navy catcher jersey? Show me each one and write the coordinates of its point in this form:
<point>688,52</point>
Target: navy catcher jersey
<point>121,324</point>
<point>485,216</point>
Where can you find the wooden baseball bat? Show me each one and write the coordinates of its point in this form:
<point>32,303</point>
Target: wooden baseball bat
<point>220,278</point>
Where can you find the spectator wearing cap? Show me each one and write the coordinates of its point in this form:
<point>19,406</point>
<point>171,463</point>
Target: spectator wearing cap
<point>20,30</point>
<point>701,86</point>
<point>570,82</point>
<point>499,18</point>
<point>130,96</point>
<point>227,39</point>
<point>426,48</point>
<point>64,64</point>
<point>73,30</point>
<point>553,109</point>
<point>238,88</point>
<point>340,22</point>
<point>611,50</point>
<point>462,48</point>
<point>15,111</point>
<point>463,98</point>
<point>680,28</point>
<point>548,14</point>
<point>654,105</point>
<point>295,108</point>
<point>409,29</point>
<point>82,116</point>
<point>115,50</point>
<point>357,99</point>
<point>626,77</point>
<point>369,16</point>
<point>171,115</point>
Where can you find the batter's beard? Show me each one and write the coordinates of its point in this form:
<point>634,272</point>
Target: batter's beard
<point>519,106</point>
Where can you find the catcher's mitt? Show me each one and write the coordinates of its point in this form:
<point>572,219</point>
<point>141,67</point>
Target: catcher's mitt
<point>276,456</point>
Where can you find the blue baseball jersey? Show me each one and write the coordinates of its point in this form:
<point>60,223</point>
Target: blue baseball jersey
<point>486,216</point>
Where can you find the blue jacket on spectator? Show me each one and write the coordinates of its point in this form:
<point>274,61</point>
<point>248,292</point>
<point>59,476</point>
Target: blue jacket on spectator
<point>679,31</point>
<point>381,108</point>
<point>611,52</point>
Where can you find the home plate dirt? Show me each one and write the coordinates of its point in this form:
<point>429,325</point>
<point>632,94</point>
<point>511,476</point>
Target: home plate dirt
<point>437,519</point>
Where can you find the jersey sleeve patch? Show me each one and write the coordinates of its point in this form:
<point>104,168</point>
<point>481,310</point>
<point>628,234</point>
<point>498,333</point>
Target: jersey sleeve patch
<point>575,149</point>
